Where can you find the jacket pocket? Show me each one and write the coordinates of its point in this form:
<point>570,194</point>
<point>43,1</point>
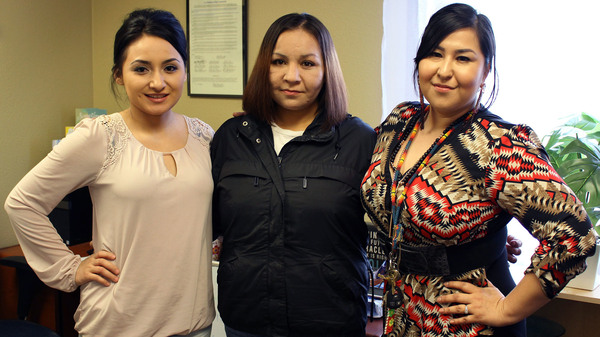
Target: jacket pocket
<point>242,168</point>
<point>346,288</point>
<point>225,270</point>
<point>242,201</point>
<point>346,175</point>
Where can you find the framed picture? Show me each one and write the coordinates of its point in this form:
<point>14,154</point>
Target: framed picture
<point>216,33</point>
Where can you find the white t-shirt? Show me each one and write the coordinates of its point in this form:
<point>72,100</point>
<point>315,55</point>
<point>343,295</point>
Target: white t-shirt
<point>282,136</point>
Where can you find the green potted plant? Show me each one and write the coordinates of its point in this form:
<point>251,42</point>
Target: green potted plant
<point>574,150</point>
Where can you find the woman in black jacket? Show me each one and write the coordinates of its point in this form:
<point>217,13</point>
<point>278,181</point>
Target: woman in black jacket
<point>286,201</point>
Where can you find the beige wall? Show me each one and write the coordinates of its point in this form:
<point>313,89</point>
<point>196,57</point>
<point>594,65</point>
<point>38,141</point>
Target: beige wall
<point>59,55</point>
<point>45,73</point>
<point>354,24</point>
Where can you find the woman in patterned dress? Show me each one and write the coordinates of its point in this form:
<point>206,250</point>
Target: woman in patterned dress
<point>444,181</point>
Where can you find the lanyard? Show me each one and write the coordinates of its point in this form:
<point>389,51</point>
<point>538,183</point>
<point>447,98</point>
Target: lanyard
<point>407,179</point>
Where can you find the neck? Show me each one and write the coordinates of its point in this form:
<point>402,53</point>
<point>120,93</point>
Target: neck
<point>437,122</point>
<point>294,120</point>
<point>147,121</point>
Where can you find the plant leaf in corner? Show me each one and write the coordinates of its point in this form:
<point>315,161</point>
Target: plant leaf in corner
<point>582,172</point>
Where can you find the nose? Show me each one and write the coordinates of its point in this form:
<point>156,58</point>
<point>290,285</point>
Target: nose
<point>157,81</point>
<point>445,69</point>
<point>292,73</point>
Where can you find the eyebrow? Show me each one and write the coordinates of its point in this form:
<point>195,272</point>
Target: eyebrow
<point>148,62</point>
<point>305,55</point>
<point>459,51</point>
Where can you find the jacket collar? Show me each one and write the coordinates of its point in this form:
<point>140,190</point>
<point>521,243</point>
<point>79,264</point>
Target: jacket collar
<point>315,131</point>
<point>249,124</point>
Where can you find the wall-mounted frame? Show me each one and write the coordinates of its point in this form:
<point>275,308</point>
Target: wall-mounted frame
<point>216,33</point>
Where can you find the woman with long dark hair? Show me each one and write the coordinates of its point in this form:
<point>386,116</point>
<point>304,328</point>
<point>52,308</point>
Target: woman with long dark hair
<point>287,177</point>
<point>444,181</point>
<point>148,173</point>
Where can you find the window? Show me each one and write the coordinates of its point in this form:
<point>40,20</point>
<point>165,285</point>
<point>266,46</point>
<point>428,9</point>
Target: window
<point>547,56</point>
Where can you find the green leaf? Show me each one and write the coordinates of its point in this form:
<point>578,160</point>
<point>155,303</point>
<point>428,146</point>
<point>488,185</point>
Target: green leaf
<point>580,168</point>
<point>574,152</point>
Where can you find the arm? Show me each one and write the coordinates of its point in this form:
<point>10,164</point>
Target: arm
<point>537,196</point>
<point>74,163</point>
<point>488,306</point>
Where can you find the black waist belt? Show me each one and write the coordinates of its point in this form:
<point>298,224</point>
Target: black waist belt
<point>452,260</point>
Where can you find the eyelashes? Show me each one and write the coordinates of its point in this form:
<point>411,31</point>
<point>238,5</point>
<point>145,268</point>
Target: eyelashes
<point>143,70</point>
<point>305,64</point>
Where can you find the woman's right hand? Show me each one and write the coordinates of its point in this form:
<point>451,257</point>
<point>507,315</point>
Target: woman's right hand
<point>98,268</point>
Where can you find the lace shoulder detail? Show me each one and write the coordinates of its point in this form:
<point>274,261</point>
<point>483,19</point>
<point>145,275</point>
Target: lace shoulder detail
<point>117,136</point>
<point>200,130</point>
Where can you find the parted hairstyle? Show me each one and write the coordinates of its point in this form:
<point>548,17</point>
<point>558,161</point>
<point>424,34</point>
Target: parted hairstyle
<point>332,100</point>
<point>148,21</point>
<point>450,19</point>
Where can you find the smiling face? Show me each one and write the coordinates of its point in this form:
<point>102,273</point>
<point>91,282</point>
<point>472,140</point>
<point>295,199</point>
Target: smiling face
<point>153,75</point>
<point>296,72</point>
<point>450,78</point>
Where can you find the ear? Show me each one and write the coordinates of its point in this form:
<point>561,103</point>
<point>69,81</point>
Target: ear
<point>118,78</point>
<point>486,72</point>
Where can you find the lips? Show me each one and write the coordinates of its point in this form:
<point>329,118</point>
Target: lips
<point>290,93</point>
<point>442,88</point>
<point>157,98</point>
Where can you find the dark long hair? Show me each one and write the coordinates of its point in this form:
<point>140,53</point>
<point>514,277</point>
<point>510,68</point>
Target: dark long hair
<point>149,21</point>
<point>450,19</point>
<point>332,100</point>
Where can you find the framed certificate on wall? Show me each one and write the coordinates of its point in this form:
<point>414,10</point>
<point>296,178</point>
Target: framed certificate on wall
<point>216,31</point>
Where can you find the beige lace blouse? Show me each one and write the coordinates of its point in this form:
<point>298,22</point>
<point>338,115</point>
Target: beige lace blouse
<point>158,225</point>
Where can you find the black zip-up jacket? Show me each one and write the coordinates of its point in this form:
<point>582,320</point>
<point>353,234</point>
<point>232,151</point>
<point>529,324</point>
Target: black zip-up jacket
<point>293,260</point>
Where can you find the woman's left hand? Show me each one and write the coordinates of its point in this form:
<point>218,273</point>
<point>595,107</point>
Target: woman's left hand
<point>475,304</point>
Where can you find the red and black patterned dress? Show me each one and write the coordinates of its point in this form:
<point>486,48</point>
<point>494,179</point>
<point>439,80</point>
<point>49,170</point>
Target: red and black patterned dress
<point>486,172</point>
